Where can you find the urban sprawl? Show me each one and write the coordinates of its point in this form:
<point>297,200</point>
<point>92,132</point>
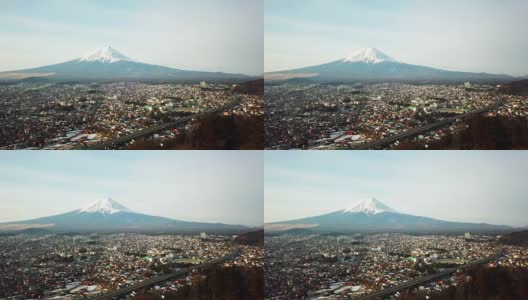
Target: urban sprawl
<point>83,266</point>
<point>327,116</point>
<point>78,115</point>
<point>349,267</point>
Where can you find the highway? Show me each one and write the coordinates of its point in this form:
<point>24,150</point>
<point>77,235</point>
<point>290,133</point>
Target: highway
<point>422,280</point>
<point>153,281</point>
<point>147,131</point>
<point>415,131</point>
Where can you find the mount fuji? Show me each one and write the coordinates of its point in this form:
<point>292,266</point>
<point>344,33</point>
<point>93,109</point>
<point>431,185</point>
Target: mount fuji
<point>107,215</point>
<point>108,64</point>
<point>371,64</point>
<point>371,215</point>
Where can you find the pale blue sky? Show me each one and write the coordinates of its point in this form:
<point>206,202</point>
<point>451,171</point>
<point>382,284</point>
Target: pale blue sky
<point>209,186</point>
<point>208,35</point>
<point>467,35</point>
<point>471,186</point>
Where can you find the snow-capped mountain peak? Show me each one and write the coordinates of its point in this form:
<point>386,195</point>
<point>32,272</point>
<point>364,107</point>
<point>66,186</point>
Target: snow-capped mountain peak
<point>369,206</point>
<point>368,55</point>
<point>106,54</point>
<point>105,206</point>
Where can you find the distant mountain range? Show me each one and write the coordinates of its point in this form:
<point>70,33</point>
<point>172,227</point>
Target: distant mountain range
<point>108,64</point>
<point>370,64</point>
<point>107,215</point>
<point>371,215</point>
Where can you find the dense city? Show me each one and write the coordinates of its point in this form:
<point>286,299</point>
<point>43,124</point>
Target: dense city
<point>80,115</point>
<point>75,266</point>
<point>350,116</point>
<point>348,267</point>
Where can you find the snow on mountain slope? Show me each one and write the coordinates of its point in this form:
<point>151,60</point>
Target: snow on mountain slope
<point>373,216</point>
<point>369,206</point>
<point>370,64</point>
<point>368,55</point>
<point>106,55</point>
<point>105,206</point>
<point>108,64</point>
<point>107,215</point>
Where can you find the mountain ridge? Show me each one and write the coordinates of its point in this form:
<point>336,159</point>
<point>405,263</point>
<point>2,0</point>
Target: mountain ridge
<point>371,64</point>
<point>379,218</point>
<point>108,64</point>
<point>108,215</point>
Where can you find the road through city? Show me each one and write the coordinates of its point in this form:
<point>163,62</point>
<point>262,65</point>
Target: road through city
<point>159,279</point>
<point>422,280</point>
<point>415,131</point>
<point>147,131</point>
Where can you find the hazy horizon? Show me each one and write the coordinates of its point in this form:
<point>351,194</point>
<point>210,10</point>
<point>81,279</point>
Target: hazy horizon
<point>472,36</point>
<point>203,186</point>
<point>476,186</point>
<point>203,35</point>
